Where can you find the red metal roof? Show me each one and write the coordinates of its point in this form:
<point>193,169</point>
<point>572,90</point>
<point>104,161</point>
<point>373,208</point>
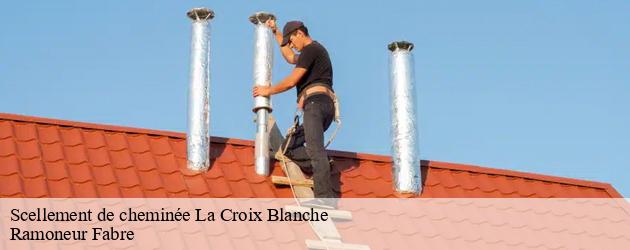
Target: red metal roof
<point>42,157</point>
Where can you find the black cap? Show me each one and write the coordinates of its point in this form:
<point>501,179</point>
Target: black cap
<point>288,29</point>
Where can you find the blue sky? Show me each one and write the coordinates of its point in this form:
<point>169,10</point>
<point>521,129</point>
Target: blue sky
<point>534,86</point>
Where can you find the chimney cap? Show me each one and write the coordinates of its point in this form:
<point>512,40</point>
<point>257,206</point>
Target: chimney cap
<point>199,14</point>
<point>400,45</point>
<point>261,17</point>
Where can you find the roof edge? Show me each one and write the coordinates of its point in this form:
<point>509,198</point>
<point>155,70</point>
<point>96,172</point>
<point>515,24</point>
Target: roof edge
<point>541,177</point>
<point>613,192</point>
<point>344,154</point>
<point>106,127</point>
<point>116,128</point>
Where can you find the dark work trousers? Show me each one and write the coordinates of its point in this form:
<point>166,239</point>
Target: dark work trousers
<point>306,147</point>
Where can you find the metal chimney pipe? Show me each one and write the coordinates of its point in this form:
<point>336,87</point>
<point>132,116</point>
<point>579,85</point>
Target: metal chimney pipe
<point>263,62</point>
<point>406,169</point>
<point>198,137</point>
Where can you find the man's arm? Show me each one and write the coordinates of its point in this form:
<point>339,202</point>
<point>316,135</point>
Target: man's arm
<point>284,85</point>
<point>287,52</point>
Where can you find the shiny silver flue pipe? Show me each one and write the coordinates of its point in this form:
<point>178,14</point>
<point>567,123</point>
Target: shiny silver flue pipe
<point>198,137</point>
<point>406,167</point>
<point>263,63</point>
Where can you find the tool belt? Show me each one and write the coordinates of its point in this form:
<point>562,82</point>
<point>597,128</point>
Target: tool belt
<point>314,89</point>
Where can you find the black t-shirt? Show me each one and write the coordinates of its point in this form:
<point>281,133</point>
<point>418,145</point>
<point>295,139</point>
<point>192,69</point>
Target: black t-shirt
<point>314,58</point>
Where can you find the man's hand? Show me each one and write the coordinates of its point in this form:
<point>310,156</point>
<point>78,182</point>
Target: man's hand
<point>284,85</point>
<point>272,25</point>
<point>262,91</point>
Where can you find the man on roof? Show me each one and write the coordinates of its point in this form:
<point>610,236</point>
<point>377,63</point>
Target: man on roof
<point>313,79</point>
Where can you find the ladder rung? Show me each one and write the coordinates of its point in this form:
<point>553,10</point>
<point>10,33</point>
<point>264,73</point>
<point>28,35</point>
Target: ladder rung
<point>324,245</point>
<point>334,214</point>
<point>281,180</point>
